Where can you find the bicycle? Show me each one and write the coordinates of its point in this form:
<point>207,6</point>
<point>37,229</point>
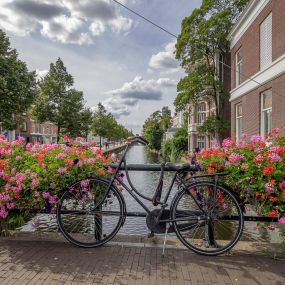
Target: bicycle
<point>205,215</point>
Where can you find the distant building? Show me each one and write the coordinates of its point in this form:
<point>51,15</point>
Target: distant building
<point>258,73</point>
<point>170,133</point>
<point>35,132</point>
<point>200,111</point>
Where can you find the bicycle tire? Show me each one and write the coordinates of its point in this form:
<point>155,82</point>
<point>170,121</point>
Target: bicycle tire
<point>95,230</point>
<point>213,240</point>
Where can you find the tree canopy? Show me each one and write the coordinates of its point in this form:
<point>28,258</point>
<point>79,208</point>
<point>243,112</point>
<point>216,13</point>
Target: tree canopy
<point>201,45</point>
<point>155,126</point>
<point>58,102</point>
<point>17,85</point>
<point>105,125</point>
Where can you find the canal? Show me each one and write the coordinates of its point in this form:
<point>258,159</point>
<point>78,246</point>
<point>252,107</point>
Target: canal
<point>146,182</point>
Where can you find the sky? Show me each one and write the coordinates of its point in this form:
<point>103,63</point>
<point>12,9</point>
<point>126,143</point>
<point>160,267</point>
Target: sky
<point>114,56</point>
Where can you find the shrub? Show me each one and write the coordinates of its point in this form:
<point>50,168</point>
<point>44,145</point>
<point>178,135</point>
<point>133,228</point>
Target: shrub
<point>256,168</point>
<point>35,176</point>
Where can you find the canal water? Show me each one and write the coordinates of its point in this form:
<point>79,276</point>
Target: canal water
<point>146,182</point>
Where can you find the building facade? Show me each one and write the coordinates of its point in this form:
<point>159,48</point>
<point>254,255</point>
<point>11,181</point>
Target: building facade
<point>200,111</point>
<point>35,132</point>
<point>258,69</point>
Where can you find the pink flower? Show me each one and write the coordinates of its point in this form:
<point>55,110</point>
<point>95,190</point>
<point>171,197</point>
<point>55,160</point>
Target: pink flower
<point>244,165</point>
<point>52,199</point>
<point>243,136</point>
<point>20,177</point>
<point>235,157</point>
<point>18,157</point>
<point>281,220</point>
<point>14,170</point>
<point>27,171</point>
<point>10,206</point>
<point>61,155</point>
<point>274,157</point>
<point>36,194</point>
<point>62,170</point>
<point>35,182</point>
<point>46,194</point>
<point>228,142</point>
<point>33,175</point>
<point>110,170</point>
<point>256,139</point>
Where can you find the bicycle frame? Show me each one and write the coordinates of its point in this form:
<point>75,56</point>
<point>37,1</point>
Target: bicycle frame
<point>135,193</point>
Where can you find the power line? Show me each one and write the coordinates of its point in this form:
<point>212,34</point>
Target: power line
<point>175,36</point>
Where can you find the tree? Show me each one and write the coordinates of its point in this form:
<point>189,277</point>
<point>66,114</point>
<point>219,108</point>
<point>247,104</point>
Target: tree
<point>153,131</point>
<point>105,125</point>
<point>86,120</point>
<point>203,37</point>
<point>58,102</point>
<point>165,118</point>
<point>17,85</point>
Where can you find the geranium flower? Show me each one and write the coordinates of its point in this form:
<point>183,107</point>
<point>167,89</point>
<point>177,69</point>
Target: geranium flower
<point>268,170</point>
<point>62,170</point>
<point>281,220</point>
<point>255,138</point>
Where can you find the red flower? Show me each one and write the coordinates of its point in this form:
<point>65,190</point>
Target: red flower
<point>219,167</point>
<point>212,164</point>
<point>268,170</point>
<point>211,170</point>
<point>273,214</point>
<point>262,144</point>
<point>273,199</point>
<point>206,154</point>
<point>101,171</point>
<point>283,194</point>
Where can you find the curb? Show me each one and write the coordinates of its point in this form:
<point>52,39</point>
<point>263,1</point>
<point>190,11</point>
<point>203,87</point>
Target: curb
<point>242,247</point>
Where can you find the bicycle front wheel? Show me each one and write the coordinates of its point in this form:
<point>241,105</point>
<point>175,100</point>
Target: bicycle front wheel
<point>207,218</point>
<point>87,215</point>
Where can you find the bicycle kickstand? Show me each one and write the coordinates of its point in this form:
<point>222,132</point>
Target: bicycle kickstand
<point>166,231</point>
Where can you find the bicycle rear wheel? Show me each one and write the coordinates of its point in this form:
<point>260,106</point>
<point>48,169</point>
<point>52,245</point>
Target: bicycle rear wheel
<point>207,220</point>
<point>86,216</point>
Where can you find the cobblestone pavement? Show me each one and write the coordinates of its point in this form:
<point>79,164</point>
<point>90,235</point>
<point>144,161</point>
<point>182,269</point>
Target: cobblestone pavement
<point>47,262</point>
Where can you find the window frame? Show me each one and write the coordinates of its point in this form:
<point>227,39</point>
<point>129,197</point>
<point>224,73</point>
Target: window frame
<point>238,67</point>
<point>265,64</point>
<point>238,119</point>
<point>264,111</point>
<point>201,114</point>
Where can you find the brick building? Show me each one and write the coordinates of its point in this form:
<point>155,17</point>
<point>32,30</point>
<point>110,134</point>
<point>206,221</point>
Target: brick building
<point>258,69</point>
<point>206,107</point>
<point>34,132</point>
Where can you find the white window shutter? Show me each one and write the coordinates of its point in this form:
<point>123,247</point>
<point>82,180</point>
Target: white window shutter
<point>266,42</point>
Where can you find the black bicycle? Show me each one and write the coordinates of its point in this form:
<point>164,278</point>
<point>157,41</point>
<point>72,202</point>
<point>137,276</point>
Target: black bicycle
<point>205,215</point>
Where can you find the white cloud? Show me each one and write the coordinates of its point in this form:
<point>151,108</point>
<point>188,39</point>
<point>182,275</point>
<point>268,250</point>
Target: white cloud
<point>65,21</point>
<point>97,28</point>
<point>133,92</point>
<point>41,73</point>
<point>165,60</point>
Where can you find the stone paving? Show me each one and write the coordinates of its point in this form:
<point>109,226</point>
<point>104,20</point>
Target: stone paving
<point>54,262</point>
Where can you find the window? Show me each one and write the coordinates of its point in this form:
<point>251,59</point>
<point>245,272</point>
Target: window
<point>266,42</point>
<point>24,127</point>
<point>201,113</point>
<point>201,142</point>
<point>238,121</point>
<point>266,112</point>
<point>238,67</point>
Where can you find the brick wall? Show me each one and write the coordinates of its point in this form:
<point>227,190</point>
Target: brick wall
<point>251,107</point>
<point>250,40</point>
